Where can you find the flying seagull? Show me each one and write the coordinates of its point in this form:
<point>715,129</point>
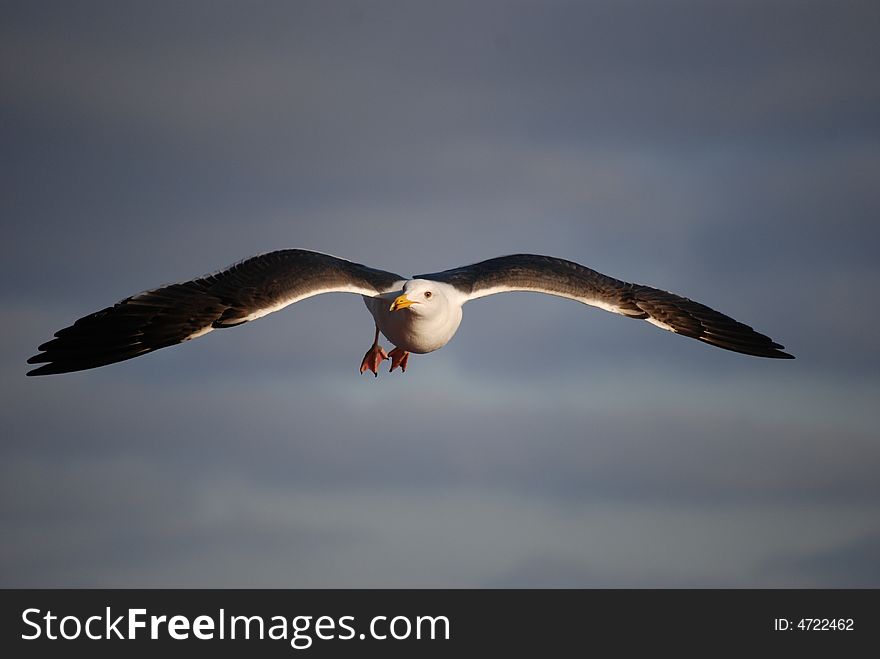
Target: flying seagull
<point>417,315</point>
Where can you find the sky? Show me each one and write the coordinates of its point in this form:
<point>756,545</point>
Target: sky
<point>726,151</point>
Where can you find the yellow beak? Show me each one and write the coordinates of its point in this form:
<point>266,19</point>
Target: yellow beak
<point>401,302</point>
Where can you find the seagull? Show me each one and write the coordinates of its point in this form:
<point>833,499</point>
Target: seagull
<point>418,315</point>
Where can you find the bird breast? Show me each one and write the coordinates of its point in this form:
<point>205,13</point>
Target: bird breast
<point>416,332</point>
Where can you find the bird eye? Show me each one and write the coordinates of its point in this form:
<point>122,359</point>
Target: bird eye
<point>427,293</point>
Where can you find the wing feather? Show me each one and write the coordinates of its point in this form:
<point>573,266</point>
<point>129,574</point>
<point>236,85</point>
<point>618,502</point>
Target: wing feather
<point>172,314</point>
<point>554,276</point>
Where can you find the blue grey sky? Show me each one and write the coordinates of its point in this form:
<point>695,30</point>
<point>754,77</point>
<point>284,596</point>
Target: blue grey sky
<point>726,151</point>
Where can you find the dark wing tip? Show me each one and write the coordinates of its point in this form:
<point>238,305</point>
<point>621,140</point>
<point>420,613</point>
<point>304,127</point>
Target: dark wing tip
<point>722,331</point>
<point>778,352</point>
<point>48,369</point>
<point>55,362</point>
<point>770,350</point>
<point>130,328</point>
<point>697,321</point>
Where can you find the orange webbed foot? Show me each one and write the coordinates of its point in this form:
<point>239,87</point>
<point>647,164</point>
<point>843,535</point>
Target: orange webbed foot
<point>399,358</point>
<point>374,357</point>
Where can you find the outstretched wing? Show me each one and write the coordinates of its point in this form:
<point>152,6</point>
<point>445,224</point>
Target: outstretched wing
<point>172,314</point>
<point>546,274</point>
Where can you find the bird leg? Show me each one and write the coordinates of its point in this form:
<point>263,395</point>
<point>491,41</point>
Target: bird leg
<point>375,356</point>
<point>398,357</point>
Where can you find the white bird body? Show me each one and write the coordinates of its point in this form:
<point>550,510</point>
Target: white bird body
<point>427,324</point>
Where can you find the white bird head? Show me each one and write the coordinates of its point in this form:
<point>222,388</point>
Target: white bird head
<point>421,297</point>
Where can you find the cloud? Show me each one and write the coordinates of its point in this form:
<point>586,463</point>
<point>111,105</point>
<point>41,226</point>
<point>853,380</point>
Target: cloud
<point>851,564</point>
